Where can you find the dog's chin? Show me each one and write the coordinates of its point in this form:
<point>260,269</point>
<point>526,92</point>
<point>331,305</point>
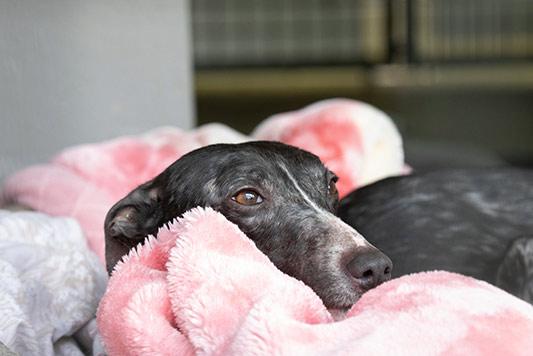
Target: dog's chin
<point>342,299</point>
<point>338,314</point>
<point>342,305</point>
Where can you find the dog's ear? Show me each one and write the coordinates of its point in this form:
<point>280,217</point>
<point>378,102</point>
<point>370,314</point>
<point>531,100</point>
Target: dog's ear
<point>130,220</point>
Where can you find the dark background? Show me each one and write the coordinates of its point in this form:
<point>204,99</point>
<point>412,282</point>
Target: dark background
<point>456,75</point>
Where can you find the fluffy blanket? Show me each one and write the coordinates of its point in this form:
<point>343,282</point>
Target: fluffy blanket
<point>203,287</point>
<point>354,139</point>
<point>84,181</point>
<point>51,286</point>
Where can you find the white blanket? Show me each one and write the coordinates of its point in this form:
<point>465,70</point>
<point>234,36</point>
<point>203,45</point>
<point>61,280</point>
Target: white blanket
<point>51,285</point>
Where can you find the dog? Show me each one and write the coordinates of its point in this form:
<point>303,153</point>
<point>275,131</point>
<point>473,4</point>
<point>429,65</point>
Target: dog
<point>281,197</point>
<point>478,222</point>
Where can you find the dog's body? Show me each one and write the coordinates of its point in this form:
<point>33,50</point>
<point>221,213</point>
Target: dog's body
<point>474,222</point>
<point>282,197</point>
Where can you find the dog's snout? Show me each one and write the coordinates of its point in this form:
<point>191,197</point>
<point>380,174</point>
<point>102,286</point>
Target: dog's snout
<point>370,268</point>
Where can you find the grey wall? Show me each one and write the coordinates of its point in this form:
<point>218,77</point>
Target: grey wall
<point>74,71</point>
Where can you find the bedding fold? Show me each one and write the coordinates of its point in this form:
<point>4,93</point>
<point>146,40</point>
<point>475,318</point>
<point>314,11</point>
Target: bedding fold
<point>83,182</point>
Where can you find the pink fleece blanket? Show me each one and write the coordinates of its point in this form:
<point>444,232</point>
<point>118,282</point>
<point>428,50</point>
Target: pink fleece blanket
<point>203,287</point>
<point>357,141</point>
<point>84,181</point>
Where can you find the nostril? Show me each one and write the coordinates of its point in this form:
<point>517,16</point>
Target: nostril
<point>370,268</point>
<point>368,273</point>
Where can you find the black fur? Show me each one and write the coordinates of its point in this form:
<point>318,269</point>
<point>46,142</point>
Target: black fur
<point>477,222</point>
<point>298,232</point>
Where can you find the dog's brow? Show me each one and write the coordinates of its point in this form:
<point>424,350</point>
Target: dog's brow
<point>300,190</point>
<point>357,238</point>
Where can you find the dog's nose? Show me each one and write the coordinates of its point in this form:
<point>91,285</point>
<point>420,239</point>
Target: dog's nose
<point>371,268</point>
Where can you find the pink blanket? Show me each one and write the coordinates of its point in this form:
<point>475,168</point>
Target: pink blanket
<point>203,287</point>
<point>84,181</point>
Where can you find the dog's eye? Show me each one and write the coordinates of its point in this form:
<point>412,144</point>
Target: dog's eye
<point>248,197</point>
<point>332,187</point>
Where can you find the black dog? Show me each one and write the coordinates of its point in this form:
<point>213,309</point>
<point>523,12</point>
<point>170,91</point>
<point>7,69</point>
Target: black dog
<point>282,197</point>
<point>474,222</point>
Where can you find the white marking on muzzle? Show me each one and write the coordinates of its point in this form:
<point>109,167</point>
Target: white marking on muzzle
<point>358,238</point>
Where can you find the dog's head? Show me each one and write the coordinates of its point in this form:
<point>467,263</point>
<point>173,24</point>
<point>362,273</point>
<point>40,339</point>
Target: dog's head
<point>281,197</point>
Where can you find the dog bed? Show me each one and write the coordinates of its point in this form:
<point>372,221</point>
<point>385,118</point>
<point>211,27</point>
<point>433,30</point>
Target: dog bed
<point>229,298</point>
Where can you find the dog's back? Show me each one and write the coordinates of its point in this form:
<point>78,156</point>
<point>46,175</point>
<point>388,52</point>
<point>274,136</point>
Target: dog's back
<point>476,222</point>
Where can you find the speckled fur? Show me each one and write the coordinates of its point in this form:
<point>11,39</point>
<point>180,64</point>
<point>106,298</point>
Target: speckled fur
<point>465,221</point>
